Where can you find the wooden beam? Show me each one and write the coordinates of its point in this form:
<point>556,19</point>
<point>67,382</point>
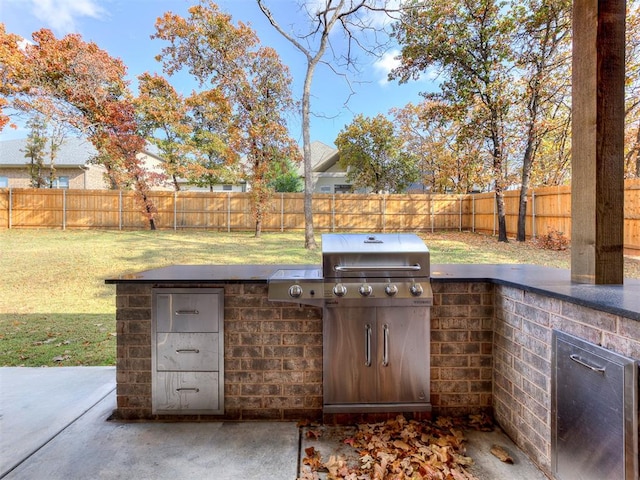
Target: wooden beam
<point>597,186</point>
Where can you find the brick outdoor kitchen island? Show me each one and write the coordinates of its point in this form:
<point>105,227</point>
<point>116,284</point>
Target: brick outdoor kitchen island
<point>491,335</point>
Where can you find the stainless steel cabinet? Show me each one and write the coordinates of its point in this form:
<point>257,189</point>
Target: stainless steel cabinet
<point>188,351</point>
<point>594,411</point>
<point>376,359</point>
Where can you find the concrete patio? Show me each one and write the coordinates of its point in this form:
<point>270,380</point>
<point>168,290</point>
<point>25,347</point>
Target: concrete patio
<point>54,425</point>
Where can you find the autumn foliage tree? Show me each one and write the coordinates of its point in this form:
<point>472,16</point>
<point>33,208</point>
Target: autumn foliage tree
<point>162,119</point>
<point>214,161</point>
<point>374,156</point>
<point>13,71</point>
<point>230,59</point>
<point>469,41</point>
<point>542,46</point>
<point>632,108</point>
<point>450,159</point>
<point>77,83</point>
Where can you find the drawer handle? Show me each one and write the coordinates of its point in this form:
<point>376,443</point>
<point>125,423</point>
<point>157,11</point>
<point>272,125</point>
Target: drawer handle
<point>578,360</point>
<point>187,350</point>
<point>187,390</point>
<point>187,312</point>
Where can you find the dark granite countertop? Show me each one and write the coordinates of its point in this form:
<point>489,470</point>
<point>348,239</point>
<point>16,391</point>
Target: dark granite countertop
<point>621,300</point>
<point>205,274</point>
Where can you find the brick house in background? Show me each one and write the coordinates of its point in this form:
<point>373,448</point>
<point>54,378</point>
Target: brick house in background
<point>75,170</point>
<point>73,165</point>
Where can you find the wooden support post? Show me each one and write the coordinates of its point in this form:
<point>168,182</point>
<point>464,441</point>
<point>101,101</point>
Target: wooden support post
<point>597,187</point>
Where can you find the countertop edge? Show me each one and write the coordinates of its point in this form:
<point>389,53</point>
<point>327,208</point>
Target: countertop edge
<point>622,300</point>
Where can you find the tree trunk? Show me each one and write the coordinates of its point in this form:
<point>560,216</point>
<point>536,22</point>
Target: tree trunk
<point>527,162</point>
<point>496,139</point>
<point>258,227</point>
<point>502,222</point>
<point>309,239</point>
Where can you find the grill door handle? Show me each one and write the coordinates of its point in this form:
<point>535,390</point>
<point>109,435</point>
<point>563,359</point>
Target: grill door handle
<point>187,350</point>
<point>385,346</point>
<point>367,345</point>
<point>366,268</point>
<point>580,361</point>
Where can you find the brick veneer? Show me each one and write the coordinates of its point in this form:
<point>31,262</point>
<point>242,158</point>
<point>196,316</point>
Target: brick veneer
<point>273,355</point>
<point>273,352</point>
<point>461,348</point>
<point>522,360</point>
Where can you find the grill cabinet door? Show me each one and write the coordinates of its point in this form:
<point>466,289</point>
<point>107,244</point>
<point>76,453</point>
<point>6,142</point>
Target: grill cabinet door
<point>350,375</point>
<point>594,412</point>
<point>404,347</point>
<point>376,359</point>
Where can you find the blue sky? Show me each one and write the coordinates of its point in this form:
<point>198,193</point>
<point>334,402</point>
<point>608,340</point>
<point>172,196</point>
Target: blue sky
<point>123,28</point>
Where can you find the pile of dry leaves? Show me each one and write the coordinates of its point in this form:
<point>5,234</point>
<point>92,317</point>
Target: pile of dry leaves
<point>401,450</point>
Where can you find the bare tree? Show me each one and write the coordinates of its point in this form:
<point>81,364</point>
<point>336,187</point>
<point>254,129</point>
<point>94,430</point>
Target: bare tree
<point>353,17</point>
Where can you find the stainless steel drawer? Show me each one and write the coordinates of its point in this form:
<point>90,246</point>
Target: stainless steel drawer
<point>187,312</point>
<point>188,351</point>
<point>186,392</point>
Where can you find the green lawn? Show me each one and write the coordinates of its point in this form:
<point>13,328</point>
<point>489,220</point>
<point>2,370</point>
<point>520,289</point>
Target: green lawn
<point>55,308</point>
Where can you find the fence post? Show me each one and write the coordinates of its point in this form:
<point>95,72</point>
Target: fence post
<point>64,209</point>
<point>533,214</point>
<point>120,210</point>
<point>228,212</point>
<point>431,211</point>
<point>10,208</point>
<point>495,200</point>
<point>333,212</point>
<point>473,213</point>
<point>281,212</point>
<point>175,210</point>
<point>460,218</point>
<point>384,213</point>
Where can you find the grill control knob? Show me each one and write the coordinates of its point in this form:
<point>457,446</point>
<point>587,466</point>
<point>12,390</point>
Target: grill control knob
<point>391,289</point>
<point>365,290</point>
<point>295,291</point>
<point>416,289</point>
<point>340,290</point>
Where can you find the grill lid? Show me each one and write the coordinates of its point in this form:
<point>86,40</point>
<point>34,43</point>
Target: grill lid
<point>396,255</point>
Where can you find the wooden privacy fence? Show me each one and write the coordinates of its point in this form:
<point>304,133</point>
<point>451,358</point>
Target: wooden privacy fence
<point>549,209</point>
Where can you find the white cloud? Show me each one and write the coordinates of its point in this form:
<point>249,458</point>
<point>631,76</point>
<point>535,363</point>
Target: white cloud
<point>61,15</point>
<point>388,62</point>
<point>385,64</point>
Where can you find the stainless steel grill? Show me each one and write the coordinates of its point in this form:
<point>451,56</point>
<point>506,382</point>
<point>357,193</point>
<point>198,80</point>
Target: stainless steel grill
<point>360,269</point>
<point>376,296</point>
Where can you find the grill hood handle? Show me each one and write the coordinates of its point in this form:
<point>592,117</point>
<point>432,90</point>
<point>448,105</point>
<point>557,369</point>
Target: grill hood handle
<point>366,268</point>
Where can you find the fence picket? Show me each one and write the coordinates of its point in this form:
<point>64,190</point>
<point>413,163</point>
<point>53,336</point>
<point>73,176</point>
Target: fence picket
<point>550,210</point>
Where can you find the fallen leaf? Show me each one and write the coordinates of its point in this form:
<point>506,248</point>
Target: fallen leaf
<point>501,454</point>
<point>313,434</point>
<point>399,449</point>
<point>401,445</point>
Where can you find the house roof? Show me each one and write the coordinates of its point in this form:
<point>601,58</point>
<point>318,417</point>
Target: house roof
<point>73,152</point>
<point>323,157</point>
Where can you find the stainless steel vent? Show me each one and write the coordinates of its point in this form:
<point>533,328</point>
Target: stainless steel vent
<point>594,412</point>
